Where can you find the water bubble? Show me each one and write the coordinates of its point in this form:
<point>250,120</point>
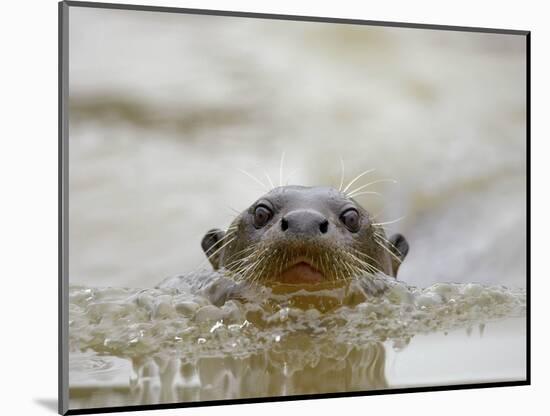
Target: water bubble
<point>216,326</point>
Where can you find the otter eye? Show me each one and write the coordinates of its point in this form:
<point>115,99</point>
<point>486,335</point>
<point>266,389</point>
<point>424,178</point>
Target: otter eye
<point>350,219</point>
<point>262,215</point>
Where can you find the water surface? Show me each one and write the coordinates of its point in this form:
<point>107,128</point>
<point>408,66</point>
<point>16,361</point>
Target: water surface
<point>171,344</point>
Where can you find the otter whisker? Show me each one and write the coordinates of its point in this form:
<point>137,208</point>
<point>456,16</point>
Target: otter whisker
<point>248,249</point>
<point>322,263</point>
<point>246,271</point>
<point>245,251</point>
<point>238,263</point>
<point>241,256</point>
<point>336,269</point>
<point>360,271</point>
<point>269,179</point>
<point>370,269</point>
<point>329,266</point>
<point>345,271</point>
<point>355,271</point>
<point>220,248</point>
<point>388,222</point>
<point>366,264</point>
<point>389,251</point>
<point>341,268</point>
<point>385,240</point>
<point>260,273</point>
<point>315,262</point>
<point>228,232</point>
<point>237,266</point>
<point>221,240</point>
<point>267,267</point>
<point>241,263</point>
<point>264,262</point>
<point>233,209</point>
<point>205,261</point>
<point>341,175</point>
<point>209,255</point>
<point>280,264</point>
<point>354,261</point>
<point>255,179</point>
<point>284,261</point>
<point>347,267</point>
<point>350,194</point>
<point>356,178</point>
<point>259,262</point>
<point>359,253</point>
<point>242,274</point>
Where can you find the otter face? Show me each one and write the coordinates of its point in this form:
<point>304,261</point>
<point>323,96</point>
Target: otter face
<point>297,234</point>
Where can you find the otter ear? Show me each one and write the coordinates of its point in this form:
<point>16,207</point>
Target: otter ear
<point>399,247</point>
<point>210,244</point>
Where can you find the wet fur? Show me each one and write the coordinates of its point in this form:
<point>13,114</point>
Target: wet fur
<point>251,255</point>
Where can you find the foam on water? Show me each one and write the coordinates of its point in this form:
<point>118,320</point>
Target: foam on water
<point>278,341</point>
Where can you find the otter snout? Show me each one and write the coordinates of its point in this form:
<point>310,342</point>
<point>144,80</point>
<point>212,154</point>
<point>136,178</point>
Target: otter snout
<point>304,222</point>
<point>300,234</point>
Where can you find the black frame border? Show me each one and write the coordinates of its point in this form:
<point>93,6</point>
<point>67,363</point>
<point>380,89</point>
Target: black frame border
<point>63,172</point>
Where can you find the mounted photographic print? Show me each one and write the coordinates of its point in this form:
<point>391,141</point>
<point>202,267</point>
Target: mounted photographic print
<point>263,207</point>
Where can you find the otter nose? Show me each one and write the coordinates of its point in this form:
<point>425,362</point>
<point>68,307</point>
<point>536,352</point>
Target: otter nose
<point>304,222</point>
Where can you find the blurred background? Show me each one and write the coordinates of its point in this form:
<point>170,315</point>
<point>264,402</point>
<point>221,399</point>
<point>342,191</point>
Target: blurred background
<point>166,108</point>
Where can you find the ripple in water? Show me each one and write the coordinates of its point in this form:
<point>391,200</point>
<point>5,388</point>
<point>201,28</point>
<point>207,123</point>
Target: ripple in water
<point>182,341</point>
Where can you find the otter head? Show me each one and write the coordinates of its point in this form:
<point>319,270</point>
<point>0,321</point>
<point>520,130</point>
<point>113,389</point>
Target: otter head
<point>298,234</point>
